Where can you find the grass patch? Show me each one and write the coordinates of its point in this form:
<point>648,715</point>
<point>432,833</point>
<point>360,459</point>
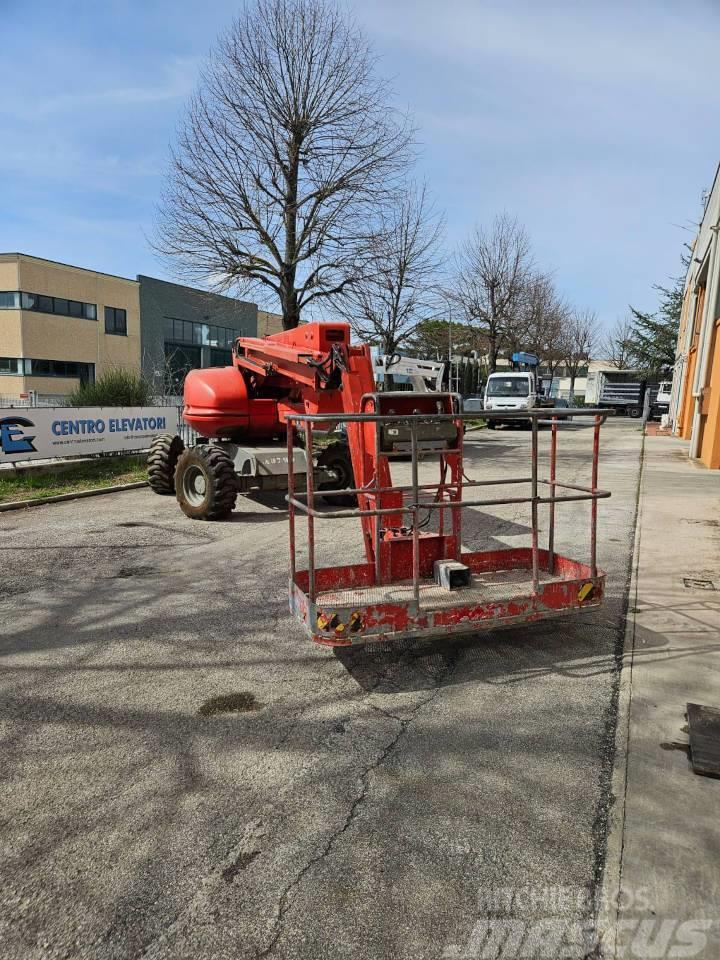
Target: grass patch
<point>89,475</point>
<point>474,424</point>
<point>241,702</point>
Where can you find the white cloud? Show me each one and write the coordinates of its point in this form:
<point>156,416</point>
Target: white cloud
<point>176,81</point>
<point>611,43</point>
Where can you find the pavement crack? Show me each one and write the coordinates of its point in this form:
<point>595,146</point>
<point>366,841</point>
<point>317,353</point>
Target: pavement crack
<point>404,723</point>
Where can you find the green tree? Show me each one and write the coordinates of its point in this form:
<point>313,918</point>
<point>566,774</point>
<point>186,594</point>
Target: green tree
<point>653,337</point>
<point>431,339</point>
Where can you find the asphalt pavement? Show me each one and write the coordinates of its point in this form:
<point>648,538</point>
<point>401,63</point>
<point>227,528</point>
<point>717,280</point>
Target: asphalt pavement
<point>367,804</point>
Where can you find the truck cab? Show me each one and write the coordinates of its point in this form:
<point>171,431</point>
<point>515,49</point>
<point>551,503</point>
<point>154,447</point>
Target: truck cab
<point>661,400</point>
<point>510,391</point>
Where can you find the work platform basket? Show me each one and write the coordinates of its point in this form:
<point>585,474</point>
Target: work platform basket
<point>417,583</point>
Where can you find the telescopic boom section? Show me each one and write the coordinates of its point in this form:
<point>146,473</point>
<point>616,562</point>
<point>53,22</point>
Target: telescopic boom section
<point>314,369</point>
<point>300,369</point>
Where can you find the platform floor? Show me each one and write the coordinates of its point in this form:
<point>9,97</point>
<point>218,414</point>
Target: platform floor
<point>492,586</point>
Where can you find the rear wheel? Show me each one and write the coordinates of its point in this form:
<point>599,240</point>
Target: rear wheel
<point>635,412</point>
<point>162,462</point>
<point>205,483</point>
<point>336,457</point>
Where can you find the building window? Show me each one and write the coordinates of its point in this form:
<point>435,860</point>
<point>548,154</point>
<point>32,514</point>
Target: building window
<point>220,358</point>
<point>116,321</point>
<point>11,366</point>
<point>179,359</point>
<point>24,366</point>
<point>199,334</point>
<point>43,303</point>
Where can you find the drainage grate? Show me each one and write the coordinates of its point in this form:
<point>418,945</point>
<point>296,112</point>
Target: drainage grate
<point>694,584</point>
<point>704,732</point>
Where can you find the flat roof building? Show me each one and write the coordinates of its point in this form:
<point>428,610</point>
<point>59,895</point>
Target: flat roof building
<point>183,328</point>
<point>695,399</point>
<point>62,325</point>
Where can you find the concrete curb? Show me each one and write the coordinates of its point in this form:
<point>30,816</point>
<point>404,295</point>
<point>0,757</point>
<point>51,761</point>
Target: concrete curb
<point>62,497</point>
<point>612,875</point>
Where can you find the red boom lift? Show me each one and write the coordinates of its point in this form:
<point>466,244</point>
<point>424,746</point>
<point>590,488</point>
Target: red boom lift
<point>416,578</point>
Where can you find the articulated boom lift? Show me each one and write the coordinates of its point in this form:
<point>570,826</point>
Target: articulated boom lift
<point>241,415</point>
<point>260,421</point>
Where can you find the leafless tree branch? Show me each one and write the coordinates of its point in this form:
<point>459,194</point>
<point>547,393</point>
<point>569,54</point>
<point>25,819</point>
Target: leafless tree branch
<point>617,343</point>
<point>399,288</point>
<point>493,268</point>
<point>287,151</point>
<point>580,342</point>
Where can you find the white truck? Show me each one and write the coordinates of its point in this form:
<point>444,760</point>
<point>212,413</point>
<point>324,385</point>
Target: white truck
<point>510,391</point>
<point>661,403</point>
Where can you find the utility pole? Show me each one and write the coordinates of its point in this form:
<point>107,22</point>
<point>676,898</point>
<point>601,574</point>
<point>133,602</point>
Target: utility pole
<point>450,347</point>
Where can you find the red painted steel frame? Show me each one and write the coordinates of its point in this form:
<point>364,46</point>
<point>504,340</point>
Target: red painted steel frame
<point>338,623</point>
<point>344,605</point>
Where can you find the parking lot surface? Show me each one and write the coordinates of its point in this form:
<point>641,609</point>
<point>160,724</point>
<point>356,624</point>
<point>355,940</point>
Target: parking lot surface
<point>362,806</point>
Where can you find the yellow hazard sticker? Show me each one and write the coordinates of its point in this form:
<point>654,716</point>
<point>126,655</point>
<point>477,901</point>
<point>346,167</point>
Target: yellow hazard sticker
<point>585,591</point>
<point>332,622</point>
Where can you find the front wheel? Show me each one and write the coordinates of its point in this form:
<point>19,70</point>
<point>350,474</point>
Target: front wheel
<point>205,483</point>
<point>635,412</point>
<point>162,461</point>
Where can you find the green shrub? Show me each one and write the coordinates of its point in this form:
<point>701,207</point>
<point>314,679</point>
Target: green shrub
<point>116,388</point>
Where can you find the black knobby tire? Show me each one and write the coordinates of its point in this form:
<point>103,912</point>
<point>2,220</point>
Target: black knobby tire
<point>336,456</point>
<point>635,412</point>
<point>162,462</point>
<point>205,483</point>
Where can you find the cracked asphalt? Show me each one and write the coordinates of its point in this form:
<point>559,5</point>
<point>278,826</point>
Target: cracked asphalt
<point>366,804</point>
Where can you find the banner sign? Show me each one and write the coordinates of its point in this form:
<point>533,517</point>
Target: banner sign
<point>35,433</point>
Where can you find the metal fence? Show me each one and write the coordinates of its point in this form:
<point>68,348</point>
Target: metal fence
<point>189,436</point>
<point>34,400</point>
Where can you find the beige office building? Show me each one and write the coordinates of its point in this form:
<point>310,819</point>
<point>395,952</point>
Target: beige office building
<point>268,323</point>
<point>62,325</point>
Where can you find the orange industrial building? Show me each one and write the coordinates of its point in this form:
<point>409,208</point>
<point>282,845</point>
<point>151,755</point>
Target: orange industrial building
<point>695,401</point>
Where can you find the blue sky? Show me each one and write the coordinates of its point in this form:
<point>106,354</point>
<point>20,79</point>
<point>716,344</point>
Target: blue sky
<point>594,123</point>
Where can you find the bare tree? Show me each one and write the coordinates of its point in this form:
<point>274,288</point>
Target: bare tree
<point>286,152</point>
<point>540,325</point>
<point>580,339</point>
<point>541,322</point>
<point>617,345</point>
<point>493,268</point>
<point>399,289</point>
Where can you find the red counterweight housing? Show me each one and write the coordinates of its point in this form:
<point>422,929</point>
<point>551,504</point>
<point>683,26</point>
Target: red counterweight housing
<point>217,404</point>
<point>286,372</point>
